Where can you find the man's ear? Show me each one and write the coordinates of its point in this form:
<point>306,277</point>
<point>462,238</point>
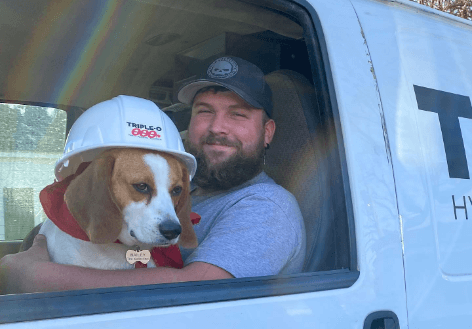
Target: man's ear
<point>269,130</point>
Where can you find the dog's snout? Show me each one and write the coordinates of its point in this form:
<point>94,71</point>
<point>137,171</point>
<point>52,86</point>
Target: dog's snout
<point>170,229</point>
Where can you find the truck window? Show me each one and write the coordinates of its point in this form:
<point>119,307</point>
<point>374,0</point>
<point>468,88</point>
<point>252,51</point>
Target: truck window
<point>78,54</point>
<point>32,139</point>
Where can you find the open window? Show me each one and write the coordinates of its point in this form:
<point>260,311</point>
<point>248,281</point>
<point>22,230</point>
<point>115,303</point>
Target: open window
<point>31,142</point>
<point>93,51</point>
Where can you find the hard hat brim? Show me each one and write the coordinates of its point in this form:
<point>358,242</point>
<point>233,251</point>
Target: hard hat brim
<point>68,165</point>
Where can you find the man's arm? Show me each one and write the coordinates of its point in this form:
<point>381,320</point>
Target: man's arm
<point>32,271</point>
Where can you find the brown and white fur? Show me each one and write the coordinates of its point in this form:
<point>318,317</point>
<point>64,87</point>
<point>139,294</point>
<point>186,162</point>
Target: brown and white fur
<point>127,194</point>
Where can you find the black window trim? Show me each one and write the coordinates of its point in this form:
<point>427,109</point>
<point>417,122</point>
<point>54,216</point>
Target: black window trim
<point>106,300</point>
<point>41,306</point>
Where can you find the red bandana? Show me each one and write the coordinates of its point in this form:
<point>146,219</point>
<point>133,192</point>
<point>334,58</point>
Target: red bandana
<point>52,200</point>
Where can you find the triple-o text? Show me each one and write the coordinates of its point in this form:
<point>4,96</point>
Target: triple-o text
<point>144,130</point>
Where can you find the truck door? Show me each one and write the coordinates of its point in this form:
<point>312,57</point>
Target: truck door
<point>331,152</point>
<point>421,62</point>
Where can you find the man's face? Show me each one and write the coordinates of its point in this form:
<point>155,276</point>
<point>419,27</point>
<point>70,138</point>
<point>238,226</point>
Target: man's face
<point>227,136</point>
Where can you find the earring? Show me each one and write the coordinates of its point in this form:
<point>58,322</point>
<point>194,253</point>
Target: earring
<point>265,149</point>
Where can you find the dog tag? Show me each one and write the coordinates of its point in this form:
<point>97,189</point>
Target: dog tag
<point>138,255</point>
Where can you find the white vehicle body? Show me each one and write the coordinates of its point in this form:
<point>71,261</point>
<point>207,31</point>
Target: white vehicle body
<point>410,187</point>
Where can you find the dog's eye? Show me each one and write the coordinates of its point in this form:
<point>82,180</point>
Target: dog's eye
<point>142,188</point>
<point>176,191</point>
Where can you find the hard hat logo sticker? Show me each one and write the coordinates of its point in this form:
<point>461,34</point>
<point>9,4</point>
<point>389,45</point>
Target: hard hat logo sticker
<point>145,131</point>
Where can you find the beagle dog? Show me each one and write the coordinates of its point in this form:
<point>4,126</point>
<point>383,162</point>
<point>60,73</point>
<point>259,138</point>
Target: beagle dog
<point>139,197</point>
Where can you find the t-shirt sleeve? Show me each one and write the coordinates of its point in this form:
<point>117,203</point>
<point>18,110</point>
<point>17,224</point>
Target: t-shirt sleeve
<point>253,237</point>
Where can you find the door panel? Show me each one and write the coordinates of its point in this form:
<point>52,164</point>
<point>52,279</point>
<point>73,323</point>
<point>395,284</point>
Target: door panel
<point>421,61</point>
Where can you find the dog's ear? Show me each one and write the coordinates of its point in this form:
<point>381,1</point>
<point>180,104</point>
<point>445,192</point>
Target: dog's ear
<point>90,202</point>
<point>188,238</point>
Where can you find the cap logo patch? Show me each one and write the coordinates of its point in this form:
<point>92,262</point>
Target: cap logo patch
<point>222,68</point>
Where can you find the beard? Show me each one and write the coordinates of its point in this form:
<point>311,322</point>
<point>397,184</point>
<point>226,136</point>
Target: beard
<point>237,169</point>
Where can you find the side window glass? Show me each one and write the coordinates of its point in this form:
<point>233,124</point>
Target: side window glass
<point>152,60</point>
<point>31,140</point>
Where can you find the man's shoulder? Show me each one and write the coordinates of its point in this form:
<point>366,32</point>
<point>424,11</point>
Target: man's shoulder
<point>259,190</point>
<point>263,183</point>
<point>266,188</point>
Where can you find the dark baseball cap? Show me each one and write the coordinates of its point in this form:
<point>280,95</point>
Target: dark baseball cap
<point>236,74</point>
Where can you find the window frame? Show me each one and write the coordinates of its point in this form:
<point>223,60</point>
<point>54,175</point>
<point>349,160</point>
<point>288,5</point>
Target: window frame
<point>53,305</point>
<point>104,300</point>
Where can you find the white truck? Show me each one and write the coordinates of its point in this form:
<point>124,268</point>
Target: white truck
<point>374,123</point>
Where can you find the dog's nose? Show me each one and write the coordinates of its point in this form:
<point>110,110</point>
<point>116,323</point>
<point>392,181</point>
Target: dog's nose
<point>170,229</point>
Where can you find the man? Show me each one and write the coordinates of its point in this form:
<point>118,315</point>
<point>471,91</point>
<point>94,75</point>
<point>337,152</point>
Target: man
<point>250,226</point>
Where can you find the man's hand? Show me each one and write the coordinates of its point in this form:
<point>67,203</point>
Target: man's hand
<point>17,270</point>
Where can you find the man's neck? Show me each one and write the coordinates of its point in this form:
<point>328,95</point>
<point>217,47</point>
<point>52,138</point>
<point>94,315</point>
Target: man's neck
<point>204,191</point>
<point>198,191</point>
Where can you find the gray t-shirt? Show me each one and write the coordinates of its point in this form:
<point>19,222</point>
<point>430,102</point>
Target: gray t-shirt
<point>254,229</point>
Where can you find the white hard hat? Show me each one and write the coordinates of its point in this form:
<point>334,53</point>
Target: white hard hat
<point>123,121</point>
